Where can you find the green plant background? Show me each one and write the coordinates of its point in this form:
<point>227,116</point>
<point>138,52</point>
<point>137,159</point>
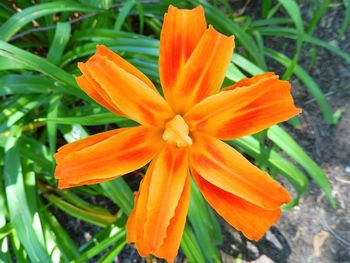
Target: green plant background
<point>42,108</point>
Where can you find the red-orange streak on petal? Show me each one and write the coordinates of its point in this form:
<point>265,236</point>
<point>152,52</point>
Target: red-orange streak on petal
<point>167,184</point>
<point>204,71</point>
<point>221,106</point>
<point>252,220</point>
<point>122,63</point>
<point>93,90</point>
<point>229,170</point>
<point>245,110</point>
<point>132,95</point>
<point>182,30</point>
<point>174,228</point>
<point>120,154</point>
<point>168,250</point>
<point>250,81</point>
<point>271,108</point>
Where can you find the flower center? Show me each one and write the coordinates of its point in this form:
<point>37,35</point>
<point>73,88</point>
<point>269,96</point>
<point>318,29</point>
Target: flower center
<point>176,132</point>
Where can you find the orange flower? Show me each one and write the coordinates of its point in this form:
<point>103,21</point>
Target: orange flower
<point>181,134</point>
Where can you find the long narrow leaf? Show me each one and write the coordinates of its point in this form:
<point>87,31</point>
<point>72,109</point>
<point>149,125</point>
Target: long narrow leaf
<point>17,202</point>
<point>291,147</point>
<point>18,20</point>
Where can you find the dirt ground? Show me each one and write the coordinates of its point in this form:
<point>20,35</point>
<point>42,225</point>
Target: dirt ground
<point>313,231</point>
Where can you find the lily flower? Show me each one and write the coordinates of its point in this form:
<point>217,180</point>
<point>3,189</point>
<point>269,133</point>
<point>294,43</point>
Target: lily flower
<point>181,135</point>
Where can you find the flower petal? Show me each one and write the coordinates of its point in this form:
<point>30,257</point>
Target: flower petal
<point>244,110</point>
<point>182,29</point>
<point>252,220</point>
<point>94,160</point>
<point>94,90</point>
<point>66,149</point>
<point>204,71</point>
<point>122,63</point>
<point>135,228</point>
<point>227,169</point>
<point>167,184</point>
<point>132,96</point>
<point>250,81</point>
<point>168,250</point>
<point>159,202</point>
<point>131,224</point>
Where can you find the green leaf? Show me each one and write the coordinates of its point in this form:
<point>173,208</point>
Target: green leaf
<point>20,19</point>
<point>37,152</point>
<point>59,42</point>
<point>246,65</point>
<point>63,241</point>
<point>77,201</point>
<point>52,112</point>
<point>96,218</point>
<point>13,84</point>
<point>123,13</point>
<point>17,202</point>
<point>6,230</point>
<point>112,253</point>
<point>190,246</point>
<point>18,249</point>
<point>346,20</point>
<point>205,225</point>
<point>95,119</point>
<point>117,236</point>
<point>293,10</point>
<point>265,7</point>
<point>291,33</point>
<point>283,140</point>
<point>18,109</point>
<point>120,193</point>
<point>41,65</point>
<point>319,11</point>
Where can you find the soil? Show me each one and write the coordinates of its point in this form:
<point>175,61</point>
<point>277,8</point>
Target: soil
<point>312,231</point>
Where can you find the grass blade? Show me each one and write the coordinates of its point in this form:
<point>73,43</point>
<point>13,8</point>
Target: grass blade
<point>190,246</point>
<point>294,12</point>
<point>95,119</point>
<point>123,13</point>
<point>59,42</point>
<point>283,140</point>
<point>291,33</point>
<point>20,19</point>
<point>117,236</point>
<point>205,225</point>
<point>120,193</point>
<point>41,65</point>
<point>18,205</point>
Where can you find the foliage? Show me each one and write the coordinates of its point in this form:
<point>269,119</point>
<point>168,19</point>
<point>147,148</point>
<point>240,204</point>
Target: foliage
<point>42,108</point>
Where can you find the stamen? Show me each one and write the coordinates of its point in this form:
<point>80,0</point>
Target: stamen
<point>176,132</point>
